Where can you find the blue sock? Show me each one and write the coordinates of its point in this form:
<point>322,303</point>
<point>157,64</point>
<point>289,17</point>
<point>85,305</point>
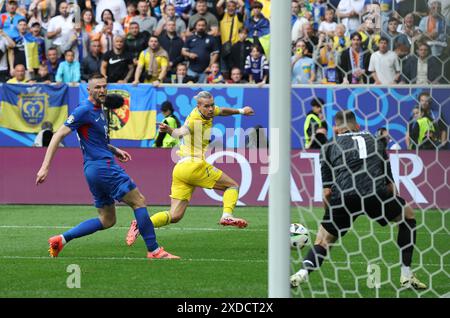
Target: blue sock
<point>85,228</point>
<point>146,228</point>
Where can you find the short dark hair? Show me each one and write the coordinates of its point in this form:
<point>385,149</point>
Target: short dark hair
<point>103,12</point>
<point>167,105</point>
<point>356,34</point>
<point>345,117</point>
<point>35,23</point>
<point>243,29</point>
<point>96,76</point>
<point>68,51</point>
<point>392,19</point>
<point>201,19</point>
<point>385,39</point>
<point>257,4</point>
<point>317,101</point>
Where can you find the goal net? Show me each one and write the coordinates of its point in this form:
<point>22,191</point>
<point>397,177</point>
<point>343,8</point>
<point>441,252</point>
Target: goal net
<point>366,261</point>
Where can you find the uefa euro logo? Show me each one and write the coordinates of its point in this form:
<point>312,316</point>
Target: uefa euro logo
<point>32,107</point>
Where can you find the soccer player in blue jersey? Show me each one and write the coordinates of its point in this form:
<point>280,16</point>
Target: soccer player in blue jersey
<point>107,180</point>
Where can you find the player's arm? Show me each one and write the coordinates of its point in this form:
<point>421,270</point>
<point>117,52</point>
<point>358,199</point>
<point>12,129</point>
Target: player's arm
<point>60,134</point>
<point>327,177</point>
<point>390,183</point>
<point>175,133</point>
<point>122,155</point>
<point>247,111</point>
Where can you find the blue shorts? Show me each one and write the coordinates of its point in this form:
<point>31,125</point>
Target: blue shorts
<point>107,182</point>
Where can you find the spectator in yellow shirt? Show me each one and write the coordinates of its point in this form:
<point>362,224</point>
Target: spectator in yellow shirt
<point>152,64</point>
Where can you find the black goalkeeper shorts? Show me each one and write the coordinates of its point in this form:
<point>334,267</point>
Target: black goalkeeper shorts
<point>338,219</point>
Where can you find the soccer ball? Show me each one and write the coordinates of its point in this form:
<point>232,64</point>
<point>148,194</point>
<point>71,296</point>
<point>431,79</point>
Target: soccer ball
<point>299,235</point>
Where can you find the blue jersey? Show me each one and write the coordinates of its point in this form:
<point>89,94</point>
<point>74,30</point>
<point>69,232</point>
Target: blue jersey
<point>90,124</point>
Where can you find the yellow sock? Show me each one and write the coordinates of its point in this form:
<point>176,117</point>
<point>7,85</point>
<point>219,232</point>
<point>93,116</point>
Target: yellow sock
<point>161,219</point>
<point>230,197</point>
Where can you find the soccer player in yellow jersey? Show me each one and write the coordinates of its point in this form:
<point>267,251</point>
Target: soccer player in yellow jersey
<point>193,171</point>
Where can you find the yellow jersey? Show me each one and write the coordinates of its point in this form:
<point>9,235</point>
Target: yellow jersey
<point>195,144</point>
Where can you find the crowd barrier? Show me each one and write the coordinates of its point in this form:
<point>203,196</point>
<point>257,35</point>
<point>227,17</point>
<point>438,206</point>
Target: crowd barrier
<point>421,177</point>
<point>375,107</point>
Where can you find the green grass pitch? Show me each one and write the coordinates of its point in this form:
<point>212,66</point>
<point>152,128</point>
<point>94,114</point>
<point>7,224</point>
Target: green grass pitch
<point>216,261</point>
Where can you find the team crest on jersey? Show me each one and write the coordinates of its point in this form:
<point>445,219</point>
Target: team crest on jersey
<point>120,116</point>
<point>32,107</point>
<point>70,120</point>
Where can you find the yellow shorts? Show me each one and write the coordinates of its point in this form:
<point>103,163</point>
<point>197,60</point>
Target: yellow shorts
<point>189,174</point>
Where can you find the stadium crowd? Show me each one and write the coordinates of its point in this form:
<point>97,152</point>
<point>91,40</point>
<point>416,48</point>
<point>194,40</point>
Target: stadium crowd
<point>223,41</point>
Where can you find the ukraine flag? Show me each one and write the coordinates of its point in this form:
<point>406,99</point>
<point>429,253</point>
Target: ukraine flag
<point>136,119</point>
<point>25,107</point>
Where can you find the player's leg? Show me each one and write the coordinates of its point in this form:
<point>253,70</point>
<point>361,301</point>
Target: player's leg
<point>315,256</point>
<point>181,193</point>
<point>106,219</point>
<point>336,222</point>
<point>406,240</point>
<point>136,201</point>
<point>230,198</point>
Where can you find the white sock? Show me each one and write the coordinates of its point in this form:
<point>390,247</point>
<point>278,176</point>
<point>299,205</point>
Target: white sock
<point>303,273</point>
<point>63,240</point>
<point>406,271</point>
<point>155,251</point>
<point>226,215</point>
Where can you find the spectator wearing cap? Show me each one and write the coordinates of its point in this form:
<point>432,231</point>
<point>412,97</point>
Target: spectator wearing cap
<point>25,52</point>
<point>422,68</point>
<point>164,140</point>
<point>10,20</point>
<point>39,39</point>
<point>315,128</point>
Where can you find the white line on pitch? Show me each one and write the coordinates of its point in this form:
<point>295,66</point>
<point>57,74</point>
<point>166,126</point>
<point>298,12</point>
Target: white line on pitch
<point>171,229</point>
<point>185,259</point>
<point>124,228</point>
<point>134,259</point>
